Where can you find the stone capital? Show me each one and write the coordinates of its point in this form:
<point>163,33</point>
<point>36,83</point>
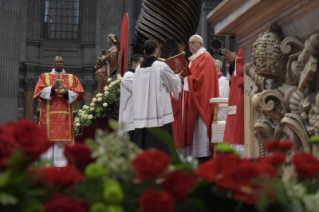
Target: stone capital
<point>88,85</point>
<point>30,83</point>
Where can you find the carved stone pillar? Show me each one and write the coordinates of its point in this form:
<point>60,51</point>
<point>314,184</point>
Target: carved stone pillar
<point>29,90</point>
<point>89,87</point>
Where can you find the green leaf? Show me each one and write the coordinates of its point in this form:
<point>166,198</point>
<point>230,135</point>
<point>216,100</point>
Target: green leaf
<point>314,139</point>
<point>168,139</point>
<point>114,124</point>
<point>7,199</point>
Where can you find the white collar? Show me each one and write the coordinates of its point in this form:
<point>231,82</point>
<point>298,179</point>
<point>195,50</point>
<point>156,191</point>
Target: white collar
<point>197,54</point>
<point>55,72</point>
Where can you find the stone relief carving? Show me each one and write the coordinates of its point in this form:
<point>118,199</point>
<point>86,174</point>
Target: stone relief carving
<point>282,87</point>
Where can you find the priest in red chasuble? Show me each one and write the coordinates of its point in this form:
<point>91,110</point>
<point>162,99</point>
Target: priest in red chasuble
<point>198,113</point>
<point>57,90</point>
<point>234,130</point>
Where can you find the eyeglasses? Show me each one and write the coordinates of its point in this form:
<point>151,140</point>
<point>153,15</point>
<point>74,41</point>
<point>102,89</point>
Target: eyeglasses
<point>192,43</point>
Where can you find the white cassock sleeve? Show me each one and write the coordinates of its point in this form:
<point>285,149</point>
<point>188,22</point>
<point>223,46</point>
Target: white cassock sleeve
<point>223,87</point>
<point>186,84</point>
<point>72,96</point>
<point>126,108</point>
<point>46,93</point>
<point>171,81</point>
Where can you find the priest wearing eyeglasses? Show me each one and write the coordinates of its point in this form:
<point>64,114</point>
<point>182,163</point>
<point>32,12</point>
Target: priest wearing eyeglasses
<point>198,114</point>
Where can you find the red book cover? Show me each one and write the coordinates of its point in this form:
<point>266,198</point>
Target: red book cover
<point>178,63</point>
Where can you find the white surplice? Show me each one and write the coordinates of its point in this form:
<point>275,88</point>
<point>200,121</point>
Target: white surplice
<point>126,103</point>
<point>152,106</point>
<point>223,93</point>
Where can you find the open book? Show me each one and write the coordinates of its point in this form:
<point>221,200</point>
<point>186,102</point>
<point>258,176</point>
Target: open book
<point>178,64</point>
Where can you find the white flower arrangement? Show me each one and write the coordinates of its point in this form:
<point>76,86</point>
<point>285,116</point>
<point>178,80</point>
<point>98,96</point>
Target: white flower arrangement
<point>103,105</point>
<point>99,95</point>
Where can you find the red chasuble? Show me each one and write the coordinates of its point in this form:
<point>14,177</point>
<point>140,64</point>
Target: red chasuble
<point>234,129</point>
<point>56,114</point>
<point>202,85</point>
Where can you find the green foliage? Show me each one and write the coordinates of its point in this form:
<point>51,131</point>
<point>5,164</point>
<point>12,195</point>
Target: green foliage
<point>114,153</point>
<point>95,171</point>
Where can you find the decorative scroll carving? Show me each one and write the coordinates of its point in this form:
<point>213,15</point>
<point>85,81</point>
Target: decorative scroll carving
<point>291,45</point>
<point>289,108</point>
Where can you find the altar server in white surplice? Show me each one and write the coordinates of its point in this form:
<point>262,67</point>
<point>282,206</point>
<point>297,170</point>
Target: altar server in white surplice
<point>126,99</point>
<point>223,89</point>
<point>153,82</point>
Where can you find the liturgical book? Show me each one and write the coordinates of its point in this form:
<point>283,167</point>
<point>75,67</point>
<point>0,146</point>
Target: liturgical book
<point>178,63</point>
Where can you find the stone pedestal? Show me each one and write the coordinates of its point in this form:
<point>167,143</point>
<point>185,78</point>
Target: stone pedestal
<point>246,19</point>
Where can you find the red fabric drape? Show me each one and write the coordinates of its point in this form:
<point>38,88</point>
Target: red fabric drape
<point>124,44</point>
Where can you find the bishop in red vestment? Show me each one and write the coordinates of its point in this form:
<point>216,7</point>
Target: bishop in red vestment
<point>198,113</point>
<point>56,114</point>
<point>234,130</point>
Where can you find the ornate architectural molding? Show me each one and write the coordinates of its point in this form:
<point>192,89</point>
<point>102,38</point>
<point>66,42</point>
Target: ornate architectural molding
<point>288,109</point>
<point>30,83</point>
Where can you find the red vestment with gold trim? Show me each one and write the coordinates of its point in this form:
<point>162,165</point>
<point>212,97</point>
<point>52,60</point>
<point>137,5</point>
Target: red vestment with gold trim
<point>56,114</point>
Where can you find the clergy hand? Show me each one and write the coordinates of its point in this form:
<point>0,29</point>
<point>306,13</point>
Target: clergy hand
<point>62,91</point>
<point>180,76</point>
<point>229,56</point>
<point>55,85</point>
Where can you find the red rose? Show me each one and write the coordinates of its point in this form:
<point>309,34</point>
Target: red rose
<point>274,159</point>
<point>6,148</point>
<point>78,155</point>
<point>278,146</point>
<point>235,174</point>
<point>7,142</point>
<point>241,181</point>
<point>155,201</point>
<point>27,136</point>
<point>306,165</point>
<point>178,183</point>
<point>215,169</point>
<point>64,177</point>
<point>150,163</point>
<point>61,203</point>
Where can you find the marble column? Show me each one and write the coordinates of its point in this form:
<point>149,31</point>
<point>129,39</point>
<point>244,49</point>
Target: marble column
<point>12,34</point>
